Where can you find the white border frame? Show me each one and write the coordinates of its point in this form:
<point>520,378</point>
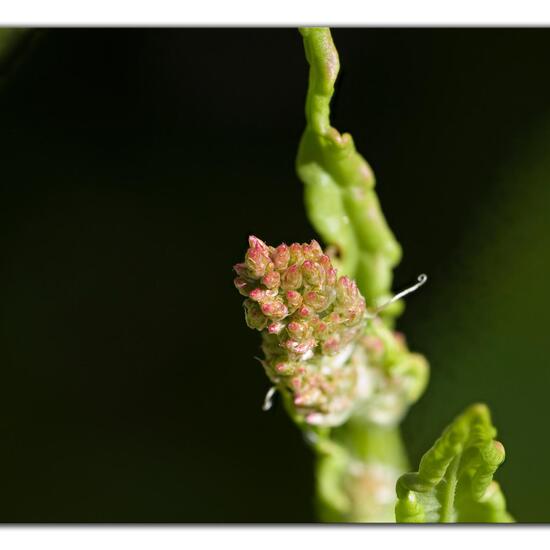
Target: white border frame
<point>276,13</point>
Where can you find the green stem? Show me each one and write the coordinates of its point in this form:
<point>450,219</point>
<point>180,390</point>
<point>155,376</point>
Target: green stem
<point>447,505</point>
<point>339,184</point>
<point>372,443</point>
<point>360,462</point>
<point>357,471</point>
<point>378,459</point>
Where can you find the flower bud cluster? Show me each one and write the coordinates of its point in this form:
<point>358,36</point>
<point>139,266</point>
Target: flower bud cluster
<point>309,319</point>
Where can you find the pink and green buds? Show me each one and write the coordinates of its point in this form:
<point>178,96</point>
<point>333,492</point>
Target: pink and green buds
<point>323,352</point>
<point>309,321</point>
<point>295,290</point>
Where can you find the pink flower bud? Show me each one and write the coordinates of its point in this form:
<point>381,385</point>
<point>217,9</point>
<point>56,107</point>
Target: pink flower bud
<point>349,300</point>
<point>316,301</point>
<point>285,369</point>
<point>257,258</point>
<point>333,318</point>
<point>241,269</point>
<point>281,257</point>
<point>260,295</point>
<point>242,286</point>
<point>330,272</point>
<point>293,300</point>
<point>308,397</point>
<point>304,312</point>
<point>321,330</point>
<point>345,289</point>
<point>299,347</point>
<point>312,251</point>
<point>296,254</point>
<point>292,278</point>
<point>275,328</point>
<point>332,345</point>
<point>274,309</point>
<point>253,315</point>
<point>313,273</point>
<point>298,330</point>
<point>254,242</point>
<point>271,280</point>
<point>355,314</point>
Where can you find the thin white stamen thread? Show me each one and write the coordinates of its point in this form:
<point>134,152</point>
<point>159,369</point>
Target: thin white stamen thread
<point>268,400</point>
<point>421,280</point>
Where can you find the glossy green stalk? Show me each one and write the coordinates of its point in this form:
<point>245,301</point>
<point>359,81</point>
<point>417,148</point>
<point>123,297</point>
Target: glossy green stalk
<point>378,459</point>
<point>339,184</point>
<point>343,207</point>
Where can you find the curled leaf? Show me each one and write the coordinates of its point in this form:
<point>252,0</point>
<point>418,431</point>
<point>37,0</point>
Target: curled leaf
<point>454,482</point>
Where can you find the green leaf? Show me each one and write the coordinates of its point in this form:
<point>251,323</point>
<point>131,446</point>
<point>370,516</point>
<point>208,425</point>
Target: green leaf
<point>339,184</point>
<point>454,482</point>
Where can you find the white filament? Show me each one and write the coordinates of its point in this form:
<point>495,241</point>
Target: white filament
<point>268,400</point>
<point>421,280</point>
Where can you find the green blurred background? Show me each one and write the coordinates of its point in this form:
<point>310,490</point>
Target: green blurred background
<point>135,162</point>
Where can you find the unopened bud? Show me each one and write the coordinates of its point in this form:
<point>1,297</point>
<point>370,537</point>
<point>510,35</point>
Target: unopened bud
<point>316,300</point>
<point>346,290</point>
<point>281,257</point>
<point>298,330</point>
<point>300,347</point>
<point>242,286</point>
<point>254,316</point>
<point>313,273</point>
<point>331,345</point>
<point>240,269</point>
<point>292,278</point>
<point>293,300</point>
<point>257,258</point>
<point>296,254</point>
<point>285,369</point>
<point>271,280</point>
<point>275,328</point>
<point>260,295</point>
<point>274,309</point>
<point>304,312</point>
<point>312,251</point>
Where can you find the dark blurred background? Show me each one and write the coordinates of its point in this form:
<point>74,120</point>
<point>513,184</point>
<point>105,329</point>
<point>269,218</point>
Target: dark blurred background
<point>135,162</point>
